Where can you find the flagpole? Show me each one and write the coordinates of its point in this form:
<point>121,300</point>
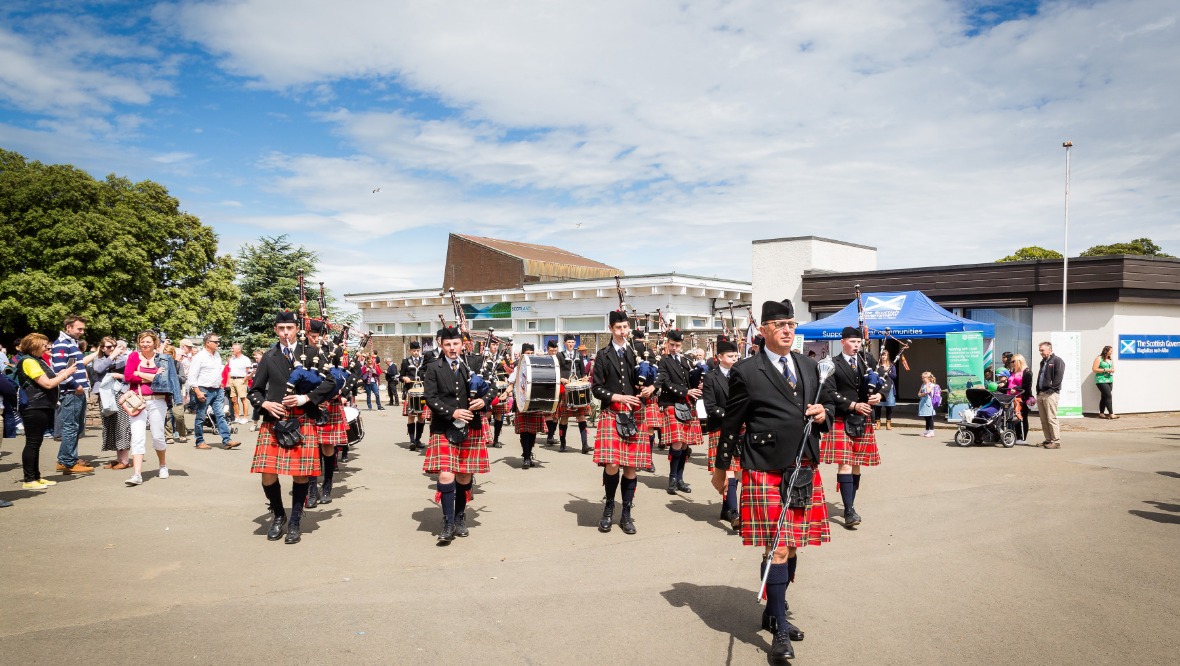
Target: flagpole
<point>1065,255</point>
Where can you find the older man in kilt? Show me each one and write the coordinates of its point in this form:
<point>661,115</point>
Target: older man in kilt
<point>527,424</point>
<point>770,396</point>
<point>839,448</point>
<point>616,385</point>
<point>281,405</point>
<point>715,395</point>
<point>572,370</point>
<point>454,453</point>
<point>674,390</point>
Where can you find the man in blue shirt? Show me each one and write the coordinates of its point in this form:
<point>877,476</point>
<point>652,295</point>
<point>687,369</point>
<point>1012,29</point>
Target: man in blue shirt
<point>73,393</point>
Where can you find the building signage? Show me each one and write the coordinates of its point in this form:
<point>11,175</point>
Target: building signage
<point>1150,346</point>
<point>1068,345</point>
<point>494,311</point>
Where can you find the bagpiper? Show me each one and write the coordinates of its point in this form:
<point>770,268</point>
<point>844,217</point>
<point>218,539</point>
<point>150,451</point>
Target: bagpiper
<point>716,394</point>
<point>852,443</point>
<point>676,401</point>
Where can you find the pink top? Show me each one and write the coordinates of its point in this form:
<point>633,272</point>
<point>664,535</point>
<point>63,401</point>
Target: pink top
<point>133,381</point>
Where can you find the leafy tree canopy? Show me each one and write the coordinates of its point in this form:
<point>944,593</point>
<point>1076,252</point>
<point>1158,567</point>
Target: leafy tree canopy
<point>121,254</point>
<point>1140,246</point>
<point>1031,252</point>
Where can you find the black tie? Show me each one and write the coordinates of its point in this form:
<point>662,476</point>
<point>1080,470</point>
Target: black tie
<point>787,372</point>
<point>622,354</point>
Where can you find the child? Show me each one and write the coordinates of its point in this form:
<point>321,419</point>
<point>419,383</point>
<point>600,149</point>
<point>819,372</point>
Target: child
<point>926,402</point>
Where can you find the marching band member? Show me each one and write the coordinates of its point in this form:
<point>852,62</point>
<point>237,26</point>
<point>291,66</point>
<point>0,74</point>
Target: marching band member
<point>283,408</point>
<point>770,396</point>
<point>411,371</point>
<point>615,380</point>
<point>572,368</point>
<point>334,432</point>
<point>454,453</point>
<point>839,447</point>
<point>674,390</point>
<point>716,394</point>
<point>652,416</point>
<point>551,419</point>
<point>502,406</point>
<point>528,424</point>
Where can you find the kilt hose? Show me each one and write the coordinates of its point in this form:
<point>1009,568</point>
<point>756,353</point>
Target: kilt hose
<point>470,457</point>
<point>761,505</point>
<point>335,432</point>
<point>303,460</point>
<point>676,432</point>
<point>611,449</point>
<point>531,422</point>
<point>839,449</point>
<point>734,465</point>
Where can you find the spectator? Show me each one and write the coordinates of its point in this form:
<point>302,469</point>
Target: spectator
<point>73,394</point>
<point>204,380</point>
<point>370,372</point>
<point>1104,379</point>
<point>926,395</point>
<point>185,358</point>
<point>1049,377</point>
<point>392,379</point>
<point>1021,384</point>
<point>239,370</point>
<point>116,428</point>
<point>142,366</point>
<point>888,371</point>
<point>175,428</point>
<point>256,417</point>
<point>40,383</point>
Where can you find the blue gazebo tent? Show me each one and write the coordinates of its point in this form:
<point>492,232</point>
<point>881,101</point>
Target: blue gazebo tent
<point>907,314</point>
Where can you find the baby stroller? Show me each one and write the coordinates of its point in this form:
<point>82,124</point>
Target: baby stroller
<point>989,420</point>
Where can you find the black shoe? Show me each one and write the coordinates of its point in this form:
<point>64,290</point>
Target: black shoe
<point>549,441</point>
<point>326,493</point>
<point>414,446</point>
<point>625,522</point>
<point>461,524</point>
<point>496,444</point>
<point>735,519</point>
<point>650,469</point>
<point>851,518</point>
<point>794,633</point>
<point>683,487</point>
<point>293,535</point>
<point>608,514</point>
<point>586,448</point>
<point>562,447</point>
<point>781,650</point>
<point>527,463</point>
<point>276,527</point>
<point>672,485</point>
<point>661,446</point>
<point>313,496</point>
<point>447,533</point>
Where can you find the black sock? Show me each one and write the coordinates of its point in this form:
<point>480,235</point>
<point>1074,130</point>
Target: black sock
<point>527,439</point>
<point>651,440</point>
<point>680,465</point>
<point>582,432</point>
<point>776,592</point>
<point>552,426</point>
<point>298,496</point>
<point>855,482</point>
<point>410,431</point>
<point>847,492</point>
<point>731,495</point>
<point>329,464</point>
<point>461,490</point>
<point>274,495</point>
<point>676,455</point>
<point>419,428</point>
<point>611,483</point>
<point>564,429</point>
<point>792,564</point>
<point>498,426</point>
<point>628,490</point>
<point>446,500</point>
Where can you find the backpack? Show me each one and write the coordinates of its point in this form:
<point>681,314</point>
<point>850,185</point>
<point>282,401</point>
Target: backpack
<point>936,397</point>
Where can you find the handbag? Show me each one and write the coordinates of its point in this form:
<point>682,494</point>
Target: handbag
<point>132,402</point>
<point>287,434</point>
<point>683,412</point>
<point>625,425</point>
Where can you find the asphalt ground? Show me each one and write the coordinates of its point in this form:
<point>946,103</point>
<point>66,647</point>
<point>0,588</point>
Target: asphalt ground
<point>980,555</point>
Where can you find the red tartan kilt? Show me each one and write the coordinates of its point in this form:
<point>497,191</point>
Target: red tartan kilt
<point>735,465</point>
<point>837,448</point>
<point>527,422</point>
<point>676,432</point>
<point>610,449</point>
<point>470,457</point>
<point>406,411</point>
<point>653,416</point>
<point>564,411</point>
<point>270,458</point>
<point>761,505</point>
<point>335,432</point>
<point>502,408</point>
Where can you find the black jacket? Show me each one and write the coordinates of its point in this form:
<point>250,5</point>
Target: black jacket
<point>270,379</point>
<point>846,382</point>
<point>1050,374</point>
<point>672,381</point>
<point>573,366</point>
<point>446,391</point>
<point>761,400</point>
<point>716,394</point>
<point>612,374</point>
<point>410,371</point>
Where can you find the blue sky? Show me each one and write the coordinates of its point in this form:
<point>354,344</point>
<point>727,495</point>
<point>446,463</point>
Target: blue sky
<point>651,136</point>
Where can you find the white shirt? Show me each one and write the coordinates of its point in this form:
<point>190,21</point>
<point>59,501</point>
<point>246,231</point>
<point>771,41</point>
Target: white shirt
<point>774,358</point>
<point>205,370</point>
<point>239,366</point>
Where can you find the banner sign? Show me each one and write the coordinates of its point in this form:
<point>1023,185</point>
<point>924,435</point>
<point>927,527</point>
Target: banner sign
<point>1068,345</point>
<point>500,310</point>
<point>964,369</point>
<point>1150,347</point>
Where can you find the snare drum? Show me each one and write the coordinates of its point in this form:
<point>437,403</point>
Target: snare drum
<point>577,394</point>
<point>537,385</point>
<point>416,399</point>
<point>356,428</point>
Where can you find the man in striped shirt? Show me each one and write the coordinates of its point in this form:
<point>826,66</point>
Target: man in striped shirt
<point>73,393</point>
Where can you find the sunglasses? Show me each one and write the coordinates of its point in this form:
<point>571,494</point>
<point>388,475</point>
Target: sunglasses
<point>216,342</point>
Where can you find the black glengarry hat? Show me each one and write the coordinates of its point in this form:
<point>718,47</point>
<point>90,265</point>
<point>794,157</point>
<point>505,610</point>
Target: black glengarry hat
<point>448,333</point>
<point>849,332</point>
<point>526,347</point>
<point>285,317</point>
<point>617,316</point>
<point>725,346</point>
<point>773,310</point>
<point>675,335</point>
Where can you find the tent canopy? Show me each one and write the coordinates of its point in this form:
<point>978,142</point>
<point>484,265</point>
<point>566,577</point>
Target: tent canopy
<point>907,314</point>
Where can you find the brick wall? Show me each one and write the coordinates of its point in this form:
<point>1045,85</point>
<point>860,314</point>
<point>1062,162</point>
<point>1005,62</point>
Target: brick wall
<point>473,267</point>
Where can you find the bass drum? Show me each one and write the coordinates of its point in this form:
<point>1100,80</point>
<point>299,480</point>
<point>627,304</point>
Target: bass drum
<point>356,427</point>
<point>537,385</point>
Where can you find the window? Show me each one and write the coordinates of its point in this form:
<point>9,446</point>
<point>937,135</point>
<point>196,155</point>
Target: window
<point>574,324</point>
<point>379,328</point>
<point>547,325</point>
<point>1013,330</point>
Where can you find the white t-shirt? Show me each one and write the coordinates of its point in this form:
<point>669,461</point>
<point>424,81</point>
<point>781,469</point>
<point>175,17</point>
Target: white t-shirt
<point>239,366</point>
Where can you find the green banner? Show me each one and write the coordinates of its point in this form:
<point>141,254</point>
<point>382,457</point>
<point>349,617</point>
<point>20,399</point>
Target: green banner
<point>964,369</point>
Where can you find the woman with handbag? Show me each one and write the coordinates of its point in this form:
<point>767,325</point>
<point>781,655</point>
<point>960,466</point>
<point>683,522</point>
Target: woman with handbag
<point>1020,383</point>
<point>142,367</point>
<point>40,382</point>
<point>116,427</point>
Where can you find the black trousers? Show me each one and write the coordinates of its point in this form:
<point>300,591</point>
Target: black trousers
<point>37,421</point>
<point>1105,399</point>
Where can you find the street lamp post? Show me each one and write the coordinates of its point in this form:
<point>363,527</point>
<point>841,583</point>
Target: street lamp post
<point>1065,255</point>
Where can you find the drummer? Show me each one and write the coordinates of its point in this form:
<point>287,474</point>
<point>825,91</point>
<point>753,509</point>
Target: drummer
<point>528,424</point>
<point>500,405</point>
<point>551,417</point>
<point>416,413</point>
<point>573,369</point>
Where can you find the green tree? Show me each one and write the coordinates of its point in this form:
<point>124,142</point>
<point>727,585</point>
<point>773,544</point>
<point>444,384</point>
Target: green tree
<point>1029,253</point>
<point>1140,246</point>
<point>269,281</point>
<point>121,254</point>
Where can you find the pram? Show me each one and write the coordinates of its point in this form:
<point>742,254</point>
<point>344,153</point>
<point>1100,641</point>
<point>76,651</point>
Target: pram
<point>989,420</point>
